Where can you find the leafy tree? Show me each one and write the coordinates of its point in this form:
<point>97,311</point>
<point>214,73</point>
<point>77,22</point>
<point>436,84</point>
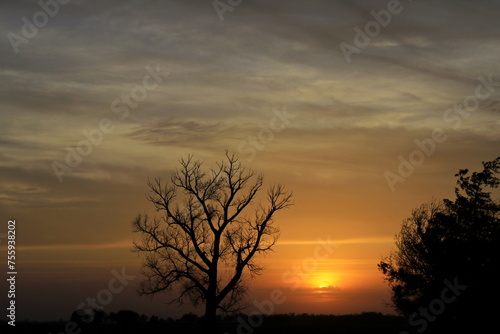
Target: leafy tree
<point>99,316</point>
<point>189,318</point>
<point>450,243</point>
<point>80,316</point>
<point>125,317</point>
<point>209,232</point>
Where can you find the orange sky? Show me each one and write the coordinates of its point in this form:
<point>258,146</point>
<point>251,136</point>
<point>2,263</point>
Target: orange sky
<point>213,84</point>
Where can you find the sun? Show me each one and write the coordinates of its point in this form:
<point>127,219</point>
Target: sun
<point>323,280</point>
<point>323,286</point>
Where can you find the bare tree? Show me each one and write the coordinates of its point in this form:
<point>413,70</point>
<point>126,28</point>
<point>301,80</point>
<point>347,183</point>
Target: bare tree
<point>208,234</point>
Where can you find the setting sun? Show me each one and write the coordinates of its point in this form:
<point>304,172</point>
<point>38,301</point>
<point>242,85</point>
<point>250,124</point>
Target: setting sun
<point>323,280</point>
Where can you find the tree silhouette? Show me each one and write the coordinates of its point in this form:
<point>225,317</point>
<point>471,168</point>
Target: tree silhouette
<point>126,317</point>
<point>208,234</point>
<point>450,244</point>
<point>80,316</point>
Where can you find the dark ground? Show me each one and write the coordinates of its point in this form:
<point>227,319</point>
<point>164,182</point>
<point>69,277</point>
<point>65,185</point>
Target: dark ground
<point>369,323</point>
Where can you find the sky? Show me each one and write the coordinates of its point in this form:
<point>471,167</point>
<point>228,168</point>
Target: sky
<point>364,109</point>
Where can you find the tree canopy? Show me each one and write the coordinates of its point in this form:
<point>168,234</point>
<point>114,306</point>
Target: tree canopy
<point>450,245</point>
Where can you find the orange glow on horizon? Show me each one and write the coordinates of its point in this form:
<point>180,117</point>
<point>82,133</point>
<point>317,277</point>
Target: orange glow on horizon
<point>323,280</point>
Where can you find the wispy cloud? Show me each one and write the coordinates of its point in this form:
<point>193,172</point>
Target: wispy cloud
<point>117,244</point>
<point>368,240</point>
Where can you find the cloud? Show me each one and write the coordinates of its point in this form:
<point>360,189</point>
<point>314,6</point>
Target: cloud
<point>354,241</point>
<point>117,244</point>
<point>319,293</point>
<point>176,132</point>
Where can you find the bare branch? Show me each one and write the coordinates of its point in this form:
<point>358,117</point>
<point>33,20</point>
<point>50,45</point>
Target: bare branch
<point>208,233</point>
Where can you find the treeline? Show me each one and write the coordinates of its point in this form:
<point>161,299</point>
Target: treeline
<point>127,321</point>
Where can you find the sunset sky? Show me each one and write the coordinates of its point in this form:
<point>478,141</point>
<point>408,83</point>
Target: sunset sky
<point>153,81</point>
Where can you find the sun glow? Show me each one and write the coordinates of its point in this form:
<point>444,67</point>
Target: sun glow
<point>323,280</point>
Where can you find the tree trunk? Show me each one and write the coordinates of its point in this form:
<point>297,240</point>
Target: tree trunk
<point>211,306</point>
<point>211,316</point>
